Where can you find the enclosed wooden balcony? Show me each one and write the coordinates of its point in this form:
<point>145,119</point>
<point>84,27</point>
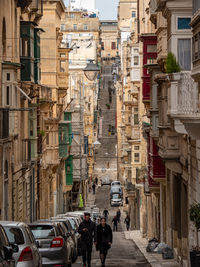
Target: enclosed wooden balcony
<point>157,166</point>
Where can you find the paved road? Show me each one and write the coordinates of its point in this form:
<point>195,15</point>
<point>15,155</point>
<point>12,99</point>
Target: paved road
<point>123,253</point>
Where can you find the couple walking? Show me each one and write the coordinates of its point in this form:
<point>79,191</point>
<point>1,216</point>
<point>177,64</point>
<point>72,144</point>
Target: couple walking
<point>101,235</point>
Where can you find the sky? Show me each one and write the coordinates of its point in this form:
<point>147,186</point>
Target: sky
<point>107,8</point>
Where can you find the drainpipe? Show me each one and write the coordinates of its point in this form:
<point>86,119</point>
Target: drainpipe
<point>138,19</point>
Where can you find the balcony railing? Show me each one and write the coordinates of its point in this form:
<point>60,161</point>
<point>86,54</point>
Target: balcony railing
<point>4,124</point>
<point>135,133</point>
<point>45,94</point>
<point>183,98</point>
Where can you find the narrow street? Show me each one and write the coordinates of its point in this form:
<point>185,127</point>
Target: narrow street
<point>123,252</point>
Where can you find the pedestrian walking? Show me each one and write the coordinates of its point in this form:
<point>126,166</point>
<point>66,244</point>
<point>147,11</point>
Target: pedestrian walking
<point>96,180</point>
<point>105,213</point>
<point>127,222</point>
<point>94,188</point>
<point>115,222</point>
<point>118,215</point>
<point>87,229</point>
<point>104,240</point>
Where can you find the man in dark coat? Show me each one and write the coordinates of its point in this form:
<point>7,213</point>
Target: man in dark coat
<point>87,229</point>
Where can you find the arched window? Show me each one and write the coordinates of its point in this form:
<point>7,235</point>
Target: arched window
<point>4,36</point>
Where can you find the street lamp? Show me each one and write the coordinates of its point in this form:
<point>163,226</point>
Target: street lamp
<point>91,71</point>
<point>97,145</point>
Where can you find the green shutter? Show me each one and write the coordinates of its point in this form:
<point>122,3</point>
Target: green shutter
<point>69,170</point>
<point>63,140</point>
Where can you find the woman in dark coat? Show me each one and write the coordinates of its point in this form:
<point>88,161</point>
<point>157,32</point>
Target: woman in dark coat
<point>104,239</point>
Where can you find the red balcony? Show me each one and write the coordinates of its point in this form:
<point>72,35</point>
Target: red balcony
<point>149,57</point>
<point>157,167</point>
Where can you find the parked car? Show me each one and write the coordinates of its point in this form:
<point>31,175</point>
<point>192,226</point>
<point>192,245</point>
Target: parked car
<point>71,246</point>
<point>20,234</point>
<point>116,200</point>
<point>6,251</point>
<point>105,180</point>
<point>116,190</point>
<point>52,244</point>
<point>116,183</point>
<point>77,237</point>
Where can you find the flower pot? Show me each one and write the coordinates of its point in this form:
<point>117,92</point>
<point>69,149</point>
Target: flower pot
<point>195,258</point>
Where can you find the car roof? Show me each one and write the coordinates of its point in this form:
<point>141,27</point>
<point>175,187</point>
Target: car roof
<point>12,223</point>
<point>49,222</point>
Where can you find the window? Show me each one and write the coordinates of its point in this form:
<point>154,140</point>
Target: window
<point>184,53</point>
<point>151,48</point>
<point>31,127</point>
<point>113,45</point>
<point>136,147</point>
<point>102,45</point>
<point>129,119</point>
<point>75,27</point>
<point>72,15</point>
<point>184,23</point>
<point>62,65</point>
<point>136,157</point>
<point>62,27</point>
<point>24,47</point>
<point>8,76</point>
<point>14,235</point>
<point>133,14</point>
<point>4,36</point>
<point>136,60</point>
<point>7,95</point>
<point>136,116</point>
<point>136,50</point>
<point>85,27</point>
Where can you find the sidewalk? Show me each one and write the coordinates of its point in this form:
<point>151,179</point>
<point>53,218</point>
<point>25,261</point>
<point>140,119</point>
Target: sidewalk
<point>154,259</point>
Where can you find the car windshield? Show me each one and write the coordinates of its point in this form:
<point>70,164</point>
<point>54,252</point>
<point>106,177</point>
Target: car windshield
<point>42,231</point>
<point>115,183</point>
<point>116,196</point>
<point>14,235</point>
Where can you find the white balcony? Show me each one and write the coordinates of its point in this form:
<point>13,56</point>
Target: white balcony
<point>183,103</point>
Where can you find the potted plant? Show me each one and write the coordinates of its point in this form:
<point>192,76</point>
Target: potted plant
<point>108,106</point>
<point>195,218</point>
<point>172,65</point>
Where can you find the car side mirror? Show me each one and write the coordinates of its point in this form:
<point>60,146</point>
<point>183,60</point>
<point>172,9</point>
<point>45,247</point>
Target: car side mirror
<point>15,248</point>
<point>37,244</point>
<point>7,253</point>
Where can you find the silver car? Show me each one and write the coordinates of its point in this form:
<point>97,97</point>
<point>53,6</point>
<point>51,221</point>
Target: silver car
<point>20,234</point>
<point>52,243</point>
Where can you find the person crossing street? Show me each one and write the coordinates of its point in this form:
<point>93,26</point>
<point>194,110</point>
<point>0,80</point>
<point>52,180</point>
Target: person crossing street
<point>87,229</point>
